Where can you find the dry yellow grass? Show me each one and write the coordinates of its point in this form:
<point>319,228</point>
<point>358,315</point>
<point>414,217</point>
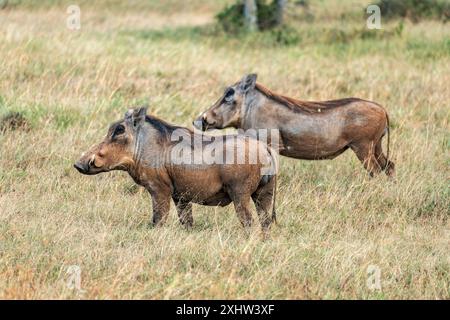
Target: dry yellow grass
<point>334,221</point>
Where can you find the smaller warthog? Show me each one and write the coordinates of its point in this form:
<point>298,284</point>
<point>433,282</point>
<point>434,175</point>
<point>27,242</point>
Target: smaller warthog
<point>149,150</point>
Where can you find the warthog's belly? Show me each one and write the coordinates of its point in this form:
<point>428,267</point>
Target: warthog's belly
<point>312,152</point>
<point>203,186</point>
<point>220,199</point>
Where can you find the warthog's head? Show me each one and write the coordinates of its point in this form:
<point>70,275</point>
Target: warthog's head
<point>116,151</point>
<point>227,111</point>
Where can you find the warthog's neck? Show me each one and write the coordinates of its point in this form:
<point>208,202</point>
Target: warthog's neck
<point>271,120</point>
<point>149,148</point>
<point>252,102</point>
<point>153,148</point>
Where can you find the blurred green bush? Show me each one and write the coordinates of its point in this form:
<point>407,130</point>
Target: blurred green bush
<point>231,18</point>
<point>415,10</point>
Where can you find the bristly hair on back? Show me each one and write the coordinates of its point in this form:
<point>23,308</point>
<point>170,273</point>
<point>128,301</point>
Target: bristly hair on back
<point>164,127</point>
<point>305,106</point>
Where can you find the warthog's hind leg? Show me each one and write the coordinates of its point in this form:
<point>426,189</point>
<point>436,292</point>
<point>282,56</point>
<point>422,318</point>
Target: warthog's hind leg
<point>184,210</point>
<point>242,206</point>
<point>264,201</point>
<point>365,151</point>
<point>385,164</point>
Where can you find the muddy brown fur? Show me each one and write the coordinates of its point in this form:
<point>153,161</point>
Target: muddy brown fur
<point>143,145</point>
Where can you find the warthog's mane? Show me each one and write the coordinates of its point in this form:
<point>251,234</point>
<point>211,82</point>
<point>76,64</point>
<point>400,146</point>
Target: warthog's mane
<point>305,106</point>
<point>164,127</point>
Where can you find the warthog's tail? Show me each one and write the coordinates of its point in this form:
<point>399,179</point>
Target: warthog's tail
<point>274,164</point>
<point>274,212</point>
<point>388,142</point>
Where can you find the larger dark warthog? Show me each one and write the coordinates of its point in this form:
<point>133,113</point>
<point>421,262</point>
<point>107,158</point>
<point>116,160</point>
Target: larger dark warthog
<point>308,130</point>
<point>174,162</point>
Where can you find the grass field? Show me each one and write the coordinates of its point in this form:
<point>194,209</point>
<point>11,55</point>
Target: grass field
<point>334,221</point>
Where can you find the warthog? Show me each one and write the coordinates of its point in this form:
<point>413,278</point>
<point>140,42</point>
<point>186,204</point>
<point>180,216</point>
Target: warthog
<point>307,130</point>
<point>149,150</point>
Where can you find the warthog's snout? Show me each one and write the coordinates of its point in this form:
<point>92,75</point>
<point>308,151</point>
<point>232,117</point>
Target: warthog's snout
<point>82,167</point>
<point>86,166</point>
<point>201,123</point>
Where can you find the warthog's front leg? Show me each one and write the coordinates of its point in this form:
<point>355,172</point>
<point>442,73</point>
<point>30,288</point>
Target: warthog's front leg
<point>161,206</point>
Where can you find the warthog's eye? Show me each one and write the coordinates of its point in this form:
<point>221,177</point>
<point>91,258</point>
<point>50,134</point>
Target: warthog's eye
<point>120,129</point>
<point>229,95</point>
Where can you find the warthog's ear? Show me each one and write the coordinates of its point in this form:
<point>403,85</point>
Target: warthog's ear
<point>136,117</point>
<point>248,82</point>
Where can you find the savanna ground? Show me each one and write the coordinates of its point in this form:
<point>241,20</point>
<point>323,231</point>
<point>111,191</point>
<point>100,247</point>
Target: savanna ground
<point>334,221</point>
